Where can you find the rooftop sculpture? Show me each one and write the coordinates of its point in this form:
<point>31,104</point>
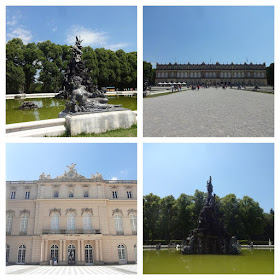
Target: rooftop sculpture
<point>82,96</point>
<point>210,236</point>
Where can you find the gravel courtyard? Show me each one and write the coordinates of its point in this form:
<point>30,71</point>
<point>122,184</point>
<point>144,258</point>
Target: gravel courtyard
<point>210,112</point>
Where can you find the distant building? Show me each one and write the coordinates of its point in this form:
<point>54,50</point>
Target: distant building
<point>72,220</point>
<point>212,74</point>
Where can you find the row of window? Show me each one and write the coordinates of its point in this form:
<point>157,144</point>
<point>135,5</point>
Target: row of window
<point>88,251</point>
<point>70,194</point>
<point>209,75</point>
<point>71,223</point>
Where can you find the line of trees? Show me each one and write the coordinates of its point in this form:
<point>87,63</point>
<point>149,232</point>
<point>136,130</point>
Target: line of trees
<point>149,74</point>
<point>169,219</point>
<point>40,67</point>
<point>270,74</point>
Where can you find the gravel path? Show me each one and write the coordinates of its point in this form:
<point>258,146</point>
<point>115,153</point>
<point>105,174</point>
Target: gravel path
<point>210,113</point>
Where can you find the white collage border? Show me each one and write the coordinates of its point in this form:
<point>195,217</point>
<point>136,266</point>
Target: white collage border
<point>140,139</point>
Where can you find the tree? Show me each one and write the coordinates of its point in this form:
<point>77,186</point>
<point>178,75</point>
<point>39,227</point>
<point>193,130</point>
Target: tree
<point>270,74</point>
<point>149,74</point>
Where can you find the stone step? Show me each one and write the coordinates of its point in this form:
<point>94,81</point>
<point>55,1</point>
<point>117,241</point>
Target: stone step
<point>39,132</point>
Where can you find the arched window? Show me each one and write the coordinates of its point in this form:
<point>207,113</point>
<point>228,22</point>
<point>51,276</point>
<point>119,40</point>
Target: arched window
<point>88,254</point>
<point>242,75</point>
<point>186,74</point>
<point>255,74</point>
<point>248,75</point>
<point>222,75</point>
<point>54,252</point>
<point>225,76</point>
<point>133,222</point>
<point>122,254</point>
<point>24,224</point>
<point>7,253</point>
<point>234,75</point>
<point>9,224</point>
<point>191,75</point>
<point>55,222</point>
<point>71,222</point>
<point>229,75</point>
<point>262,75</point>
<point>199,75</point>
<point>182,74</point>
<point>259,74</point>
<point>195,74</point>
<point>21,254</point>
<point>239,75</point>
<point>118,224</point>
<point>178,74</point>
<point>87,222</point>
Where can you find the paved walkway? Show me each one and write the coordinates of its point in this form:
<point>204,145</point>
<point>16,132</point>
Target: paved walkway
<point>71,270</point>
<point>210,113</point>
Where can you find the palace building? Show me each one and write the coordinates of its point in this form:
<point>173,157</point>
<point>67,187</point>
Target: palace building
<point>71,220</point>
<point>212,74</point>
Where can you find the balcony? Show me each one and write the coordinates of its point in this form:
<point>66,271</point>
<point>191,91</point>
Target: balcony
<point>65,231</point>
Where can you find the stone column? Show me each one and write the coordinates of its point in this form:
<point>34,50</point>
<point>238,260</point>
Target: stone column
<point>64,250</point>
<point>46,250</point>
<point>42,251</point>
<point>82,251</point>
<point>100,251</point>
<point>79,250</point>
<point>60,251</point>
<point>97,250</point>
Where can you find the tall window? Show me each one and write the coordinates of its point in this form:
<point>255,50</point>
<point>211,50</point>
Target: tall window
<point>24,224</point>
<point>87,222</point>
<point>54,252</point>
<point>13,195</point>
<point>129,194</point>
<point>88,254</point>
<point>9,224</point>
<point>71,193</point>
<point>27,195</point>
<point>86,193</point>
<point>229,75</point>
<point>118,224</point>
<point>55,193</point>
<point>186,74</point>
<point>115,194</point>
<point>55,222</point>
<point>122,254</point>
<point>133,222</point>
<point>71,222</point>
<point>225,75</point>
<point>21,254</point>
<point>7,253</point>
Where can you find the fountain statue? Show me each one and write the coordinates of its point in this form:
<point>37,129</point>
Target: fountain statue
<point>210,236</point>
<point>82,96</point>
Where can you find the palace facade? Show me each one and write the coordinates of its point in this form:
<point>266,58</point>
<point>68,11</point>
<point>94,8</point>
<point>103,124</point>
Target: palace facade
<point>71,220</point>
<point>212,74</point>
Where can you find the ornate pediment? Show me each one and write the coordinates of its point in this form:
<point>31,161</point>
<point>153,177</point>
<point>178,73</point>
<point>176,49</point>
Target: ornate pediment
<point>131,211</point>
<point>117,211</point>
<point>71,210</point>
<point>24,211</point>
<point>55,210</point>
<point>71,173</point>
<point>10,212</point>
<point>87,210</point>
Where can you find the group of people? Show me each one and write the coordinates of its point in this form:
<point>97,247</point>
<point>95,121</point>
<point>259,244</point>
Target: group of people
<point>176,87</point>
<point>53,261</point>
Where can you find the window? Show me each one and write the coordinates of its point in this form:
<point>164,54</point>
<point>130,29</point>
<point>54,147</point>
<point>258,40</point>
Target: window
<point>71,222</point>
<point>222,74</point>
<point>199,75</point>
<point>129,194</point>
<point>229,75</point>
<point>118,224</point>
<point>88,254</point>
<point>55,193</point>
<point>71,193</point>
<point>122,254</point>
<point>259,74</point>
<point>115,194</point>
<point>27,195</point>
<point>186,74</point>
<point>7,253</point>
<point>191,75</point>
<point>21,254</point>
<point>225,75</point>
<point>87,222</point>
<point>13,195</point>
<point>54,252</point>
<point>24,224</point>
<point>55,222</point>
<point>248,75</point>
<point>86,193</point>
<point>9,224</point>
<point>133,222</point>
<point>178,74</point>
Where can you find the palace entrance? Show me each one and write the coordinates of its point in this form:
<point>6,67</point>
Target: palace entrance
<point>71,254</point>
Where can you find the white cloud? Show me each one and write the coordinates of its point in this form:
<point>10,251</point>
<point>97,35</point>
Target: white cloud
<point>11,21</point>
<point>93,38</point>
<point>114,178</point>
<point>19,32</point>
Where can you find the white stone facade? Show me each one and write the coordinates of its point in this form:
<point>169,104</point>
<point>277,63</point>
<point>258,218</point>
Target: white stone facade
<point>72,220</point>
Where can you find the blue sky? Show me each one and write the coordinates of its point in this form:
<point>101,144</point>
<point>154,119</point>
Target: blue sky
<point>113,161</point>
<point>109,27</point>
<point>209,34</point>
<point>242,169</point>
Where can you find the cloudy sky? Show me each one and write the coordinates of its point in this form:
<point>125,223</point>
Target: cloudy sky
<point>109,27</point>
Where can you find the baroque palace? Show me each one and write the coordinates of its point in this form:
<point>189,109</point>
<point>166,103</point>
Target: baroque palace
<point>71,220</point>
<point>212,74</point>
